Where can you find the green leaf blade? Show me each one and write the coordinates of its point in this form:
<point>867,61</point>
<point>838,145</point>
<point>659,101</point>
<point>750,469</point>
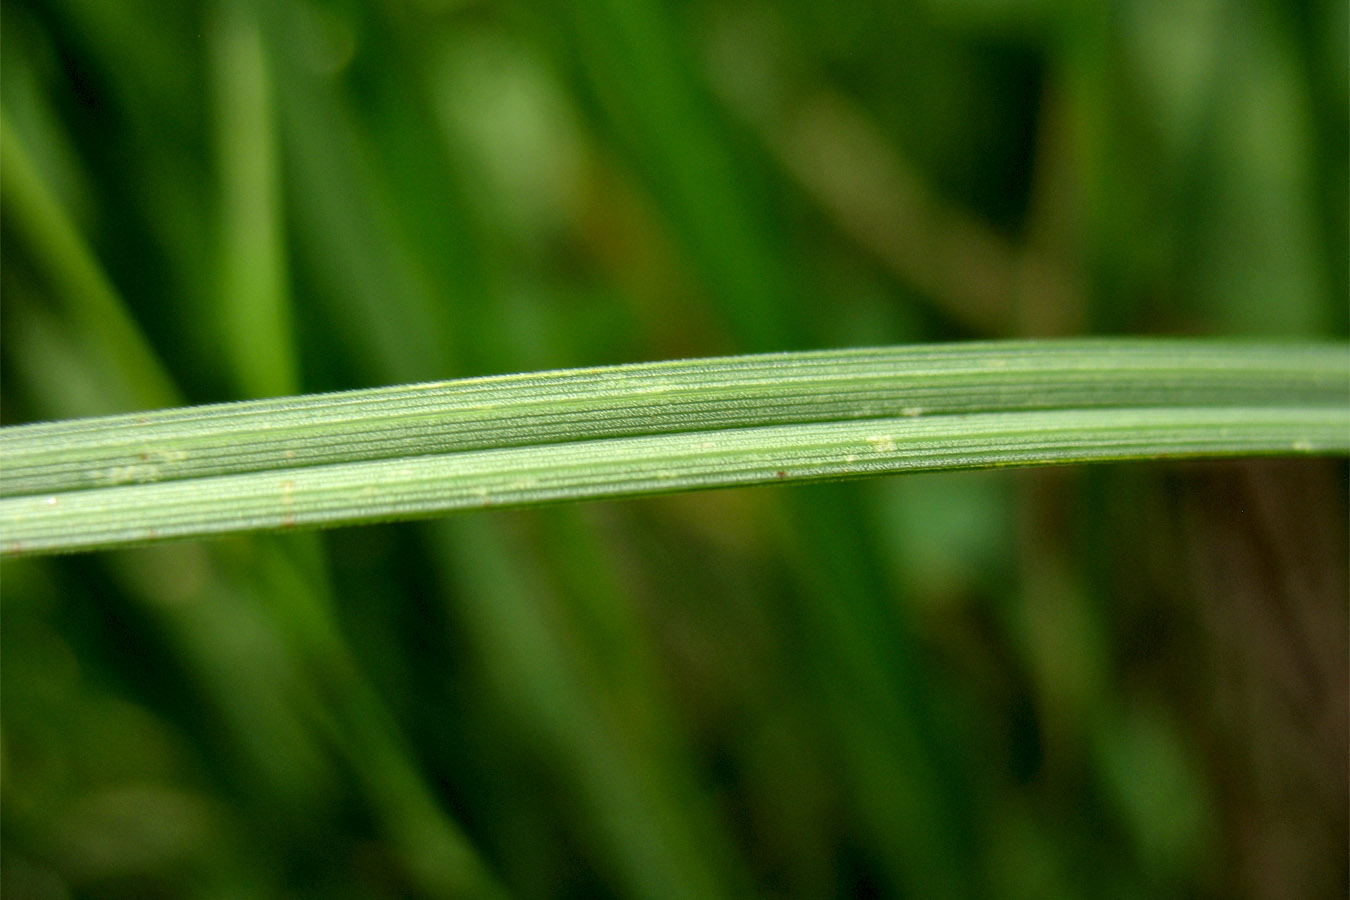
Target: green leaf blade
<point>663,398</point>
<point>391,489</point>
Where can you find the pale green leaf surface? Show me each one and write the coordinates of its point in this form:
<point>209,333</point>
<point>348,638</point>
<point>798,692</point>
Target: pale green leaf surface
<point>397,453</point>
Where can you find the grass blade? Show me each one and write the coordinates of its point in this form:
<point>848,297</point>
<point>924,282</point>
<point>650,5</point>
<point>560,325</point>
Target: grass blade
<point>414,451</point>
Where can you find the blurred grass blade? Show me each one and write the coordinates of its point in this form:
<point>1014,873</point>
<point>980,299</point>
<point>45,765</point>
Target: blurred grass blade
<point>515,440</point>
<point>254,298</point>
<point>628,59</point>
<point>33,217</point>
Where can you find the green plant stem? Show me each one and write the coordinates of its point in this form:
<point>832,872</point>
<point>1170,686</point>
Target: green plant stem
<point>405,452</point>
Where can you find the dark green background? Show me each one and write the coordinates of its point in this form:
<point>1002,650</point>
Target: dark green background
<point>1123,681</point>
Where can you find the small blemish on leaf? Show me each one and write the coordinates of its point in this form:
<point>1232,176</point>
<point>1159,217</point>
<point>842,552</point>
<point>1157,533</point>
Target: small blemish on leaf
<point>882,443</point>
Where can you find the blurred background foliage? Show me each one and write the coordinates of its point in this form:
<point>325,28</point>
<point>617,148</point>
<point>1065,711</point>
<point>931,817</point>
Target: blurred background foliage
<point>1121,681</point>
